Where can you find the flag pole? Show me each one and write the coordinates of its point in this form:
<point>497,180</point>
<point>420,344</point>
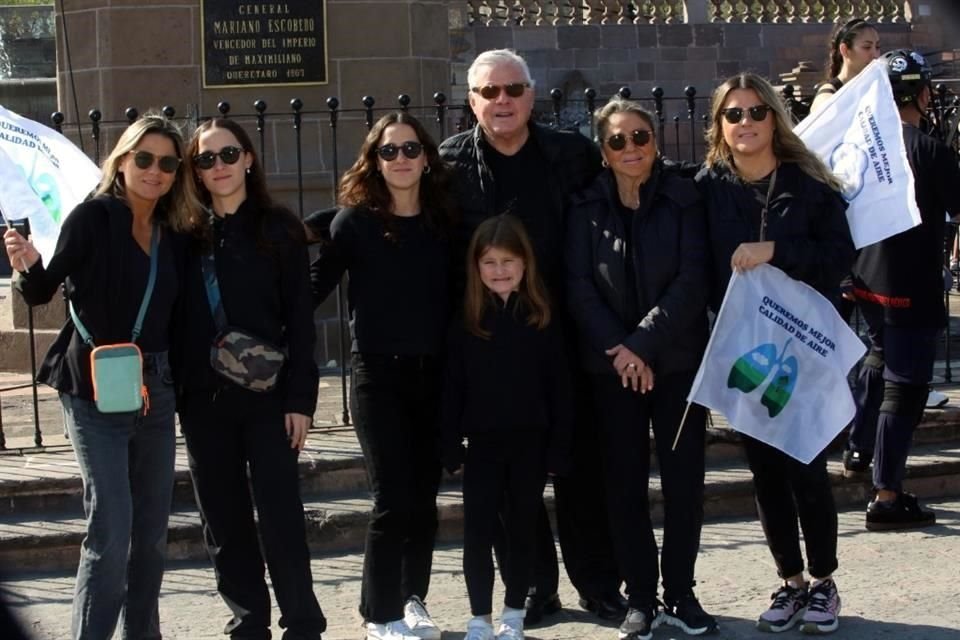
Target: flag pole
<point>680,428</point>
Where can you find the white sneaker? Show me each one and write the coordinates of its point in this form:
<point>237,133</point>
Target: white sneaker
<point>511,625</point>
<point>395,630</point>
<point>479,629</point>
<point>936,399</point>
<point>419,621</point>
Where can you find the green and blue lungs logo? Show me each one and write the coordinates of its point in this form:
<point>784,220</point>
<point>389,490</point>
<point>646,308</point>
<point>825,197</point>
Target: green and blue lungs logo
<point>753,368</point>
<point>45,187</point>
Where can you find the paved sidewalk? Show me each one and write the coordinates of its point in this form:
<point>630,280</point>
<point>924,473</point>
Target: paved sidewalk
<point>893,585</point>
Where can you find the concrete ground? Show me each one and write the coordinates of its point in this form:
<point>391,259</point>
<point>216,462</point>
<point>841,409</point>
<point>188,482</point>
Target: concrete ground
<point>893,585</point>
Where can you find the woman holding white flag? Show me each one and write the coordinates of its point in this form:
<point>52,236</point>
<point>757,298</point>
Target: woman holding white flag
<point>770,200</point>
<point>853,46</point>
<point>120,256</point>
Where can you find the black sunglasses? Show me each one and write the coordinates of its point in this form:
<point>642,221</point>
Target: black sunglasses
<point>492,91</point>
<point>389,152</point>
<point>758,113</point>
<point>207,159</point>
<point>640,137</point>
<point>144,160</point>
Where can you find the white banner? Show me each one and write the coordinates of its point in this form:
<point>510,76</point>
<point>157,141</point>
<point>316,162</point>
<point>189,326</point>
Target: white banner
<point>37,160</point>
<point>858,135</point>
<point>777,362</point>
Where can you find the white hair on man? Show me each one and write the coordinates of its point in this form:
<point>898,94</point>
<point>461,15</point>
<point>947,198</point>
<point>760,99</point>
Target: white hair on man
<point>495,57</point>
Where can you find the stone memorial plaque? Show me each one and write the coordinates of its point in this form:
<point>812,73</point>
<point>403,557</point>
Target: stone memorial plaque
<point>255,44</point>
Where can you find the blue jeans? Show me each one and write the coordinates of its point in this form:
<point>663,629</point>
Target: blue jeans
<point>126,462</point>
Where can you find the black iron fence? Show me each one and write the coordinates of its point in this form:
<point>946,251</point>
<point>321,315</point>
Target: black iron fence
<point>334,133</point>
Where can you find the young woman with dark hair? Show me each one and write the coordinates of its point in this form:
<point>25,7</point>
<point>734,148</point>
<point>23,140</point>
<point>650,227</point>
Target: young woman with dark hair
<point>853,45</point>
<point>391,236</point>
<point>260,264</point>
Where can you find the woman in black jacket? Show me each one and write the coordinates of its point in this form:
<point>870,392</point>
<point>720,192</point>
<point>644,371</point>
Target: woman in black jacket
<point>636,260</point>
<point>259,258</point>
<point>103,257</point>
<point>770,200</point>
<point>391,236</point>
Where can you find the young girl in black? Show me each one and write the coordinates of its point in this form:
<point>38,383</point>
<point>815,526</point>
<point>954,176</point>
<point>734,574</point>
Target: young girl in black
<point>507,392</point>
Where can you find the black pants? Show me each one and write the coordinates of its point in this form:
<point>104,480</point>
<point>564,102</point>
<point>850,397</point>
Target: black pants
<point>225,433</point>
<point>503,479</point>
<point>900,364</point>
<point>625,418</point>
<point>785,489</point>
<point>395,401</point>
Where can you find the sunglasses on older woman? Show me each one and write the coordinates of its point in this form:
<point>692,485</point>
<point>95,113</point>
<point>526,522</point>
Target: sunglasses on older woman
<point>207,159</point>
<point>144,160</point>
<point>640,138</point>
<point>758,113</point>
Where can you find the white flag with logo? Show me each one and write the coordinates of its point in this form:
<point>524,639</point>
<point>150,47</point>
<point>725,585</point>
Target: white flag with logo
<point>777,362</point>
<point>858,134</point>
<point>44,177</point>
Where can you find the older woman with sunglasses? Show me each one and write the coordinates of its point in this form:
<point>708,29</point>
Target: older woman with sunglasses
<point>244,433</point>
<point>391,236</point>
<point>120,256</point>
<point>770,200</point>
<point>636,260</point>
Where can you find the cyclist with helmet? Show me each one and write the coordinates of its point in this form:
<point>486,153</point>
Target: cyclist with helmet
<point>899,287</point>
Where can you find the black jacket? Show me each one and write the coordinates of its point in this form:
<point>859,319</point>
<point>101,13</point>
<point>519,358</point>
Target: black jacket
<point>572,163</point>
<point>806,221</point>
<point>266,291</point>
<point>90,259</point>
<point>667,252</point>
<point>515,381</point>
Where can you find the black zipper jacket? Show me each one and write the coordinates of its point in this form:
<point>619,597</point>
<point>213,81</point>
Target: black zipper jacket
<point>667,252</point>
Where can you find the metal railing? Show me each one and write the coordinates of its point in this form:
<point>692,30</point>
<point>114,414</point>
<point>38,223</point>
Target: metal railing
<point>680,122</point>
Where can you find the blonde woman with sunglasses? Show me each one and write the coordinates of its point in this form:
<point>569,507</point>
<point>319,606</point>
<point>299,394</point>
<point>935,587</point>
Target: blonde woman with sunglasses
<point>104,257</point>
<point>636,269</point>
<point>771,201</point>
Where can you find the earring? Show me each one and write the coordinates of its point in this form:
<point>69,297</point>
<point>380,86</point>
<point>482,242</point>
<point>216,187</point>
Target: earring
<point>604,164</point>
<point>248,170</point>
<point>426,169</point>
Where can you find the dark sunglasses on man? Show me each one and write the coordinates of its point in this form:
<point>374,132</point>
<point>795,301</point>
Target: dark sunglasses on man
<point>758,113</point>
<point>389,152</point>
<point>492,91</point>
<point>640,138</point>
<point>208,159</point>
<point>144,160</point>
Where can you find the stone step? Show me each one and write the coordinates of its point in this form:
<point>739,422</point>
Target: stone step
<point>331,465</point>
<point>336,523</point>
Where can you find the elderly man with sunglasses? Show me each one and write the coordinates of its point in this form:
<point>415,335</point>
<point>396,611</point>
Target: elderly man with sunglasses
<point>509,164</point>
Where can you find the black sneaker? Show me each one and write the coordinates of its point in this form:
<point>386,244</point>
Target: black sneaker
<point>856,463</point>
<point>687,614</point>
<point>638,625</point>
<point>902,513</point>
<point>537,607</point>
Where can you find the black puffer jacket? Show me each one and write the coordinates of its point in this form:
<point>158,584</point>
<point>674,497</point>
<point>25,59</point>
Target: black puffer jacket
<point>806,221</point>
<point>572,162</point>
<point>668,254</point>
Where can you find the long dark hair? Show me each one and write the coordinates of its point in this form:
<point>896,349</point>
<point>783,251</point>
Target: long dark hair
<point>362,184</point>
<point>845,33</point>
<point>256,184</point>
<point>506,233</point>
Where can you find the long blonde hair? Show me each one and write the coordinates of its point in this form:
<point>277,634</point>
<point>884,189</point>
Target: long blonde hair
<point>179,207</point>
<point>506,233</point>
<point>787,147</point>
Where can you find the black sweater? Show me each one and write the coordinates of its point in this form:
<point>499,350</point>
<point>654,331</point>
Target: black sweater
<point>397,294</point>
<point>96,259</point>
<point>266,291</point>
<point>517,380</point>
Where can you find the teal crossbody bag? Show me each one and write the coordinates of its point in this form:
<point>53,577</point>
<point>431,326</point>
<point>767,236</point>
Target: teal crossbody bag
<point>117,369</point>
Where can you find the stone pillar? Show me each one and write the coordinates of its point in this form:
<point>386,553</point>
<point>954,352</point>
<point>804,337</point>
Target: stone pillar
<point>695,12</point>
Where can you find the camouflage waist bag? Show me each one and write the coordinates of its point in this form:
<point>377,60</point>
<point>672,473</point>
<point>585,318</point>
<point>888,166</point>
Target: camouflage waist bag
<point>239,356</point>
<point>246,360</point>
